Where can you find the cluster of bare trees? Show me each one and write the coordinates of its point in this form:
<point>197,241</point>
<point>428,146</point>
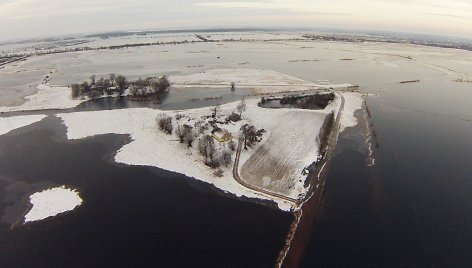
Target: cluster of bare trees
<point>312,102</point>
<point>186,134</point>
<point>213,158</point>
<point>250,135</point>
<point>96,88</point>
<point>150,87</point>
<point>113,84</point>
<point>241,107</point>
<point>206,147</point>
<point>201,126</point>
<point>232,145</point>
<point>164,123</point>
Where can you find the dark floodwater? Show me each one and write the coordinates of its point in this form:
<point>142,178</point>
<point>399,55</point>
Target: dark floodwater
<point>177,99</point>
<point>414,207</point>
<point>131,216</point>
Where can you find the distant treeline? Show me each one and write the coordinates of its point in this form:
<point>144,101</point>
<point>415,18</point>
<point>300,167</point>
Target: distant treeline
<point>86,48</point>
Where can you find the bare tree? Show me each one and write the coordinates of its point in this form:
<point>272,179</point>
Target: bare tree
<point>121,83</point>
<point>232,145</point>
<point>226,158</point>
<point>134,91</point>
<point>216,110</point>
<point>241,107</point>
<point>165,123</point>
<point>218,173</point>
<point>215,160</point>
<point>206,147</point>
<point>75,88</point>
<point>180,132</point>
<point>92,79</point>
<point>233,87</point>
<point>112,78</point>
<point>189,137</point>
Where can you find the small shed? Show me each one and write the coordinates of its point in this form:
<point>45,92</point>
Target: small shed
<point>221,135</point>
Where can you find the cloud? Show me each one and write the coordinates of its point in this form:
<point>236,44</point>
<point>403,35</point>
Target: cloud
<point>292,6</point>
<point>50,17</point>
<point>447,15</point>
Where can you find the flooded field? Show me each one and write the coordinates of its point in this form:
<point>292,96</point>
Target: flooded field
<point>411,208</point>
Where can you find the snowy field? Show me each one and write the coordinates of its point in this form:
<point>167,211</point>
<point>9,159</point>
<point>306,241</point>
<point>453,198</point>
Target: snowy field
<point>47,97</point>
<point>265,67</point>
<point>152,147</point>
<point>374,65</point>
<point>8,124</point>
<point>262,81</point>
<point>277,164</point>
<point>51,202</point>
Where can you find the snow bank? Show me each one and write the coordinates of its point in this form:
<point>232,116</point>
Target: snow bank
<point>51,202</point>
<point>353,102</point>
<point>11,123</point>
<point>48,97</point>
<point>263,81</point>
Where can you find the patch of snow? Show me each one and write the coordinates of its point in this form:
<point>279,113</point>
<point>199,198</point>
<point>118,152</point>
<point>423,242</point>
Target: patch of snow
<point>50,202</point>
<point>353,102</point>
<point>11,123</point>
<point>48,97</point>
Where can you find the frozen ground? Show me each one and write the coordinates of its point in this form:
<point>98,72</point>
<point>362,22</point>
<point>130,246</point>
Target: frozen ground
<point>51,202</point>
<point>8,124</point>
<point>47,97</point>
<point>353,102</point>
<point>262,81</point>
<point>277,164</point>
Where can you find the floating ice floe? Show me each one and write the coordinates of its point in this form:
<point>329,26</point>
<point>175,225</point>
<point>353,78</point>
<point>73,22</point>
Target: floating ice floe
<point>51,202</point>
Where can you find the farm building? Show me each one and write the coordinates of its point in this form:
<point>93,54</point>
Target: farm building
<point>221,135</point>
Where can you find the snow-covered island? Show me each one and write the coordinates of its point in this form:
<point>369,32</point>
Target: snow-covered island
<point>239,147</point>
<point>285,140</point>
<point>51,202</point>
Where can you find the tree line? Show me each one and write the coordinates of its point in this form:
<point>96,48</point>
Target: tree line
<point>117,84</point>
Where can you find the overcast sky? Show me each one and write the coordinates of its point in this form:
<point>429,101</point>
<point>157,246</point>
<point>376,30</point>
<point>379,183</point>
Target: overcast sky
<point>34,18</point>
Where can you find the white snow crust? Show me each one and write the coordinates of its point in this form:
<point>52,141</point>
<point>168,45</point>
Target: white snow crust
<point>47,97</point>
<point>8,124</point>
<point>51,202</point>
